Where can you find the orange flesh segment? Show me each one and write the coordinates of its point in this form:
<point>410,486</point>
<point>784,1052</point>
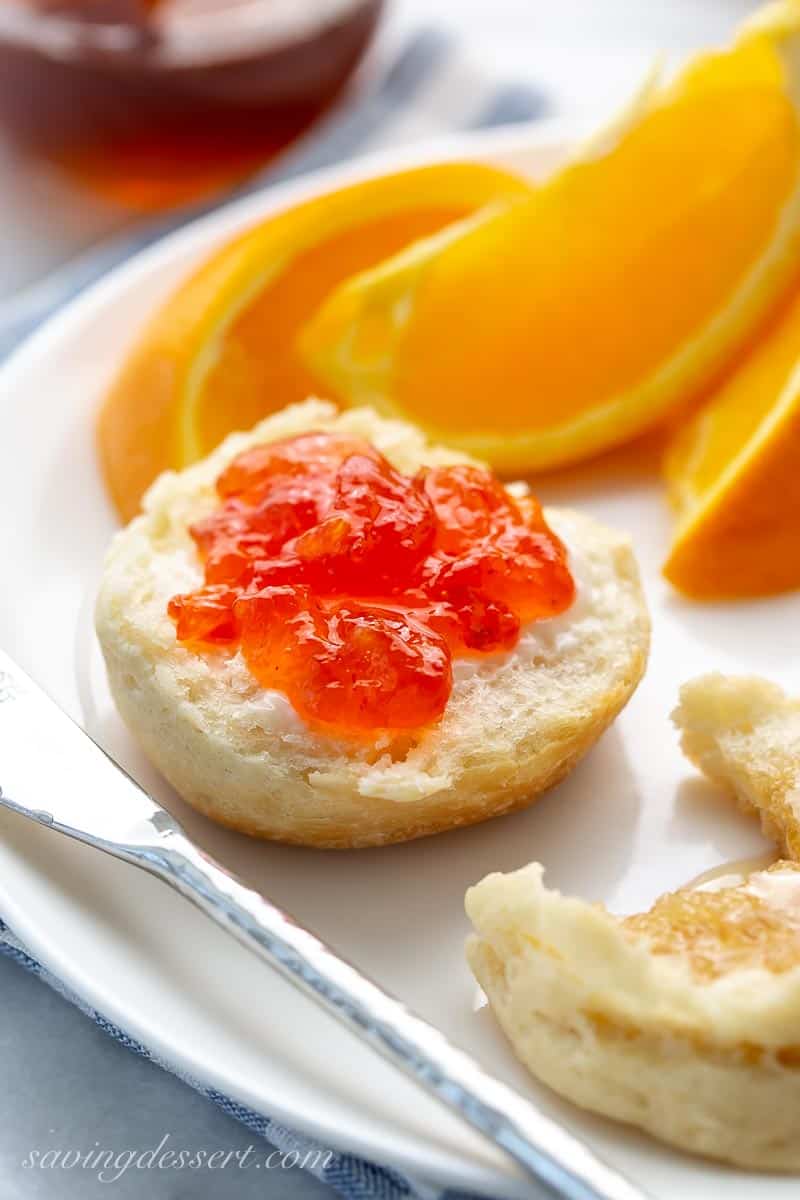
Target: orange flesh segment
<point>230,328</point>
<point>734,477</point>
<point>573,297</point>
<point>586,313</point>
<point>257,361</point>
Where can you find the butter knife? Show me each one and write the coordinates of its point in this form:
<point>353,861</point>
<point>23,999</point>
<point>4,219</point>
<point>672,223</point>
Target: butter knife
<point>52,772</point>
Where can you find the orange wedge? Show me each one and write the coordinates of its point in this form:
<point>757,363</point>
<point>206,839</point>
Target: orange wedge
<point>221,352</point>
<point>734,477</point>
<point>575,319</point>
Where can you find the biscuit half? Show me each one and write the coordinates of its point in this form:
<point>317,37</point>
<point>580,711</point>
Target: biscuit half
<point>514,725</point>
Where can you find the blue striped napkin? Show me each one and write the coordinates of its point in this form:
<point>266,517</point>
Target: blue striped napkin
<point>430,87</point>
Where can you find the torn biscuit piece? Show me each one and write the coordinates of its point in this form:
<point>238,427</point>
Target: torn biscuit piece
<point>744,734</point>
<point>684,1020</point>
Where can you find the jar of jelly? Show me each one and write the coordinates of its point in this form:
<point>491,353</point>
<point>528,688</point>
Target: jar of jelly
<point>157,102</point>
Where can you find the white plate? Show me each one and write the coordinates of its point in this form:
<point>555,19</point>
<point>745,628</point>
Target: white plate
<point>632,821</point>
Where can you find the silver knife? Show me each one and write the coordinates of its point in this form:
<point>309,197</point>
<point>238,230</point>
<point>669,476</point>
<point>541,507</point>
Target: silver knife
<point>52,772</point>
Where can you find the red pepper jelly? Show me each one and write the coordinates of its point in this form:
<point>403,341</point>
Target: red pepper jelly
<point>350,586</point>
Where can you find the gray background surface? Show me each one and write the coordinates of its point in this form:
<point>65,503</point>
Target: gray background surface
<point>66,1084</point>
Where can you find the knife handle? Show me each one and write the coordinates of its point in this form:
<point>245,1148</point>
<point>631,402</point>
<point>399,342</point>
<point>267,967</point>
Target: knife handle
<point>553,1157</point>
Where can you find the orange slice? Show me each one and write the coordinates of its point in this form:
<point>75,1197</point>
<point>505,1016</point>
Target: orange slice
<point>220,353</point>
<point>570,322</point>
<point>733,474</point>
